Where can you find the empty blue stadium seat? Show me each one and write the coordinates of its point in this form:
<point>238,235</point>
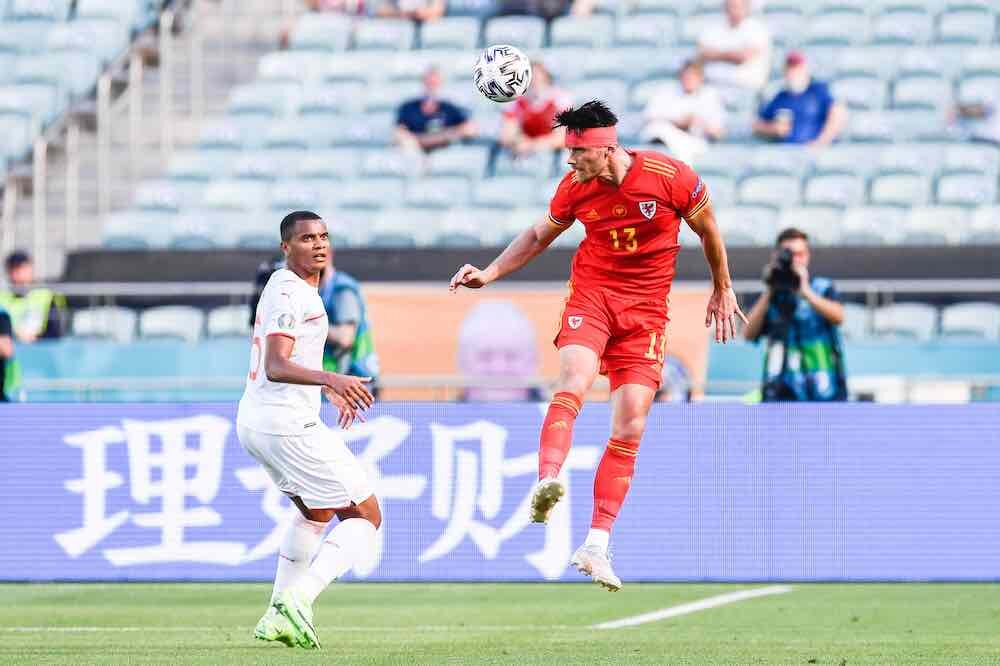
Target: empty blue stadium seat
<point>528,32</point>
<point>842,27</point>
<point>38,10</point>
<point>929,92</point>
<point>917,321</point>
<point>322,32</point>
<point>369,192</point>
<point>900,189</point>
<point>328,164</point>
<point>646,31</point>
<point>871,225</point>
<point>450,32</point>
<point>442,192</point>
<point>291,195</point>
<point>504,191</point>
<point>289,66</point>
<point>385,35</point>
<point>467,161</point>
<point>908,26</point>
<point>274,100</point>
<point>979,320</point>
<point>594,31</point>
<point>861,92</point>
<point>835,190</point>
<point>235,195</point>
<point>821,223</point>
<point>967,189</point>
<point>387,162</point>
<point>776,191</point>
<point>966,26</point>
<point>24,38</point>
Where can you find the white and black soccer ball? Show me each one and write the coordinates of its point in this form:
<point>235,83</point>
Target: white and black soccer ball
<point>502,73</point>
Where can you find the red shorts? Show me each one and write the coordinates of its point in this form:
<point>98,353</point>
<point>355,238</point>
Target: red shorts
<point>629,336</point>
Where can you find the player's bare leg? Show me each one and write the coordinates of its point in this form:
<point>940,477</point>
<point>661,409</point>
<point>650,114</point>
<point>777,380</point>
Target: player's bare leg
<point>350,540</point>
<point>578,367</point>
<point>630,405</point>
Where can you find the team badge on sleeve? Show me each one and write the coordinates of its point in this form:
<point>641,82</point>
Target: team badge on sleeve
<point>286,322</point>
<point>574,322</point>
<point>648,209</point>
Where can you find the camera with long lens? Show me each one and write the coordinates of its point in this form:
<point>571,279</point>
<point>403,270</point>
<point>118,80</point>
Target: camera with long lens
<point>779,274</point>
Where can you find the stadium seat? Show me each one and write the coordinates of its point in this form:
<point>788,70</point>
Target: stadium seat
<point>235,195</point>
<point>983,89</point>
<point>321,32</point>
<point>295,195</point>
<point>834,190</point>
<point>923,159</point>
<point>612,91</point>
<point>971,158</point>
<point>15,137</point>
<point>655,7</point>
<point>932,61</point>
<point>967,189</point>
<point>228,321</point>
<point>370,130</point>
<point>463,227</point>
<point>867,93</point>
<point>137,228</point>
<point>918,125</point>
<point>274,100</point>
<point>369,192</point>
<point>538,165</point>
<point>934,225</point>
<point>984,225</point>
<point>966,26</point>
<point>332,98</point>
<point>822,223</point>
<point>844,27</point>
<point>782,160</point>
<point>467,161</point>
<point>450,32</point>
<point>774,191</point>
<point>594,31</point>
<point>870,126</point>
<point>172,321</point>
<point>906,26</point>
<point>871,225</point>
<point>862,61</point>
<point>785,24</point>
<point>927,92</point>
<point>166,195</point>
<point>387,162</point>
<point>289,67</point>
<point>38,10</point>
<point>855,324</point>
<point>916,321</point>
<point>107,38</point>
<point>646,31</point>
<point>328,165</point>
<point>24,38</point>
<point>722,190</point>
<point>257,165</point>
<point>528,32</point>
<point>981,61</point>
<point>388,98</point>
<point>747,225</point>
<point>971,320</point>
<point>440,193</point>
<point>203,229</point>
<point>900,190</point>
<point>504,191</point>
<point>72,73</point>
<point>385,35</point>
<point>403,227</point>
<point>125,12</point>
<point>109,322</point>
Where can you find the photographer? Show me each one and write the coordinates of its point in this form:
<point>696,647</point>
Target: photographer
<point>799,315</point>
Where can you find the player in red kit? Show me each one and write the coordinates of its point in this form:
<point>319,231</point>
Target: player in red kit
<point>614,321</point>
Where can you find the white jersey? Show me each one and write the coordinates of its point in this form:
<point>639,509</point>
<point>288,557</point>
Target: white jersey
<point>291,307</point>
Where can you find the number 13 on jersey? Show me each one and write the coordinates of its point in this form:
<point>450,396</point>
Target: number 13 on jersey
<point>624,238</point>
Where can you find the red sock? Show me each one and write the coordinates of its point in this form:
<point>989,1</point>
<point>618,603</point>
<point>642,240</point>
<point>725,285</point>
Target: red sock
<point>557,433</point>
<point>612,481</point>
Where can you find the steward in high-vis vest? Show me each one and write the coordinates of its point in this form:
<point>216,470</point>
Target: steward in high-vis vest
<point>350,347</point>
<point>9,371</point>
<point>35,312</point>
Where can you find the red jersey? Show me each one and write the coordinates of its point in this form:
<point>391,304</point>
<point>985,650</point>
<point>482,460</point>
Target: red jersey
<point>631,243</point>
<point>536,116</point>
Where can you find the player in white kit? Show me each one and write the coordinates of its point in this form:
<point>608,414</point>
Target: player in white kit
<point>278,424</point>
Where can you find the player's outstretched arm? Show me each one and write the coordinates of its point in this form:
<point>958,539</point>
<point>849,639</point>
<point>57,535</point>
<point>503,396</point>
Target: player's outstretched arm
<point>723,308</point>
<point>280,368</point>
<point>529,244</point>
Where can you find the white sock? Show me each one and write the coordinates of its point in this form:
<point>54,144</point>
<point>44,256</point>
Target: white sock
<point>598,538</point>
<point>302,539</point>
<point>349,541</point>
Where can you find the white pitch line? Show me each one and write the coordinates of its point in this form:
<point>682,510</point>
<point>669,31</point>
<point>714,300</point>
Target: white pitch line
<point>430,627</point>
<point>694,606</point>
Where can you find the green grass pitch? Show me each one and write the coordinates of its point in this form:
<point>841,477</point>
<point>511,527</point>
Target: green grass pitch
<point>504,624</point>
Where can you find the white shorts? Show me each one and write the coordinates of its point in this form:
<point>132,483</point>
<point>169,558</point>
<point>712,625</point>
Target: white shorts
<point>316,467</point>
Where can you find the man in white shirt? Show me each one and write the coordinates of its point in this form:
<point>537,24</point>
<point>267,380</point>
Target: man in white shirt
<point>685,117</point>
<point>737,52</point>
<point>278,424</point>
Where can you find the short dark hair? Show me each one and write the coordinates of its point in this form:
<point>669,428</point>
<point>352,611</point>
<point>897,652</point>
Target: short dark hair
<point>15,259</point>
<point>791,233</point>
<point>594,113</point>
<point>293,218</point>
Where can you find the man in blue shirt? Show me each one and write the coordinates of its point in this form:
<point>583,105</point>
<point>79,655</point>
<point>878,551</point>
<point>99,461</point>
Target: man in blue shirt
<point>804,112</point>
<point>799,315</point>
<point>428,122</point>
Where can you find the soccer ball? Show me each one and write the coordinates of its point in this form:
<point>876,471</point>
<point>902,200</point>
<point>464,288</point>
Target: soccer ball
<point>502,73</point>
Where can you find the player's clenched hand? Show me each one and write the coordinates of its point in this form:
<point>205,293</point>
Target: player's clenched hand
<point>723,309</point>
<point>348,413</point>
<point>351,389</point>
<point>469,276</point>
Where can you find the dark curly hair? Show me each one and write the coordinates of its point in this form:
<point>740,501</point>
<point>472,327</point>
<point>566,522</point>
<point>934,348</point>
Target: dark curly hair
<point>594,113</point>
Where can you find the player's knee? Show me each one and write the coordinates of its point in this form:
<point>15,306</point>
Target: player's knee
<point>575,382</point>
<point>629,429</point>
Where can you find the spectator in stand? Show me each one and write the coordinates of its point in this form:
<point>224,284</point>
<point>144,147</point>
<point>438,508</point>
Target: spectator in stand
<point>737,52</point>
<point>428,122</point>
<point>546,9</point>
<point>348,7</point>
<point>685,117</point>
<point>976,121</point>
<point>416,10</point>
<point>35,312</point>
<point>9,373</point>
<point>527,122</point>
<point>804,111</point>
